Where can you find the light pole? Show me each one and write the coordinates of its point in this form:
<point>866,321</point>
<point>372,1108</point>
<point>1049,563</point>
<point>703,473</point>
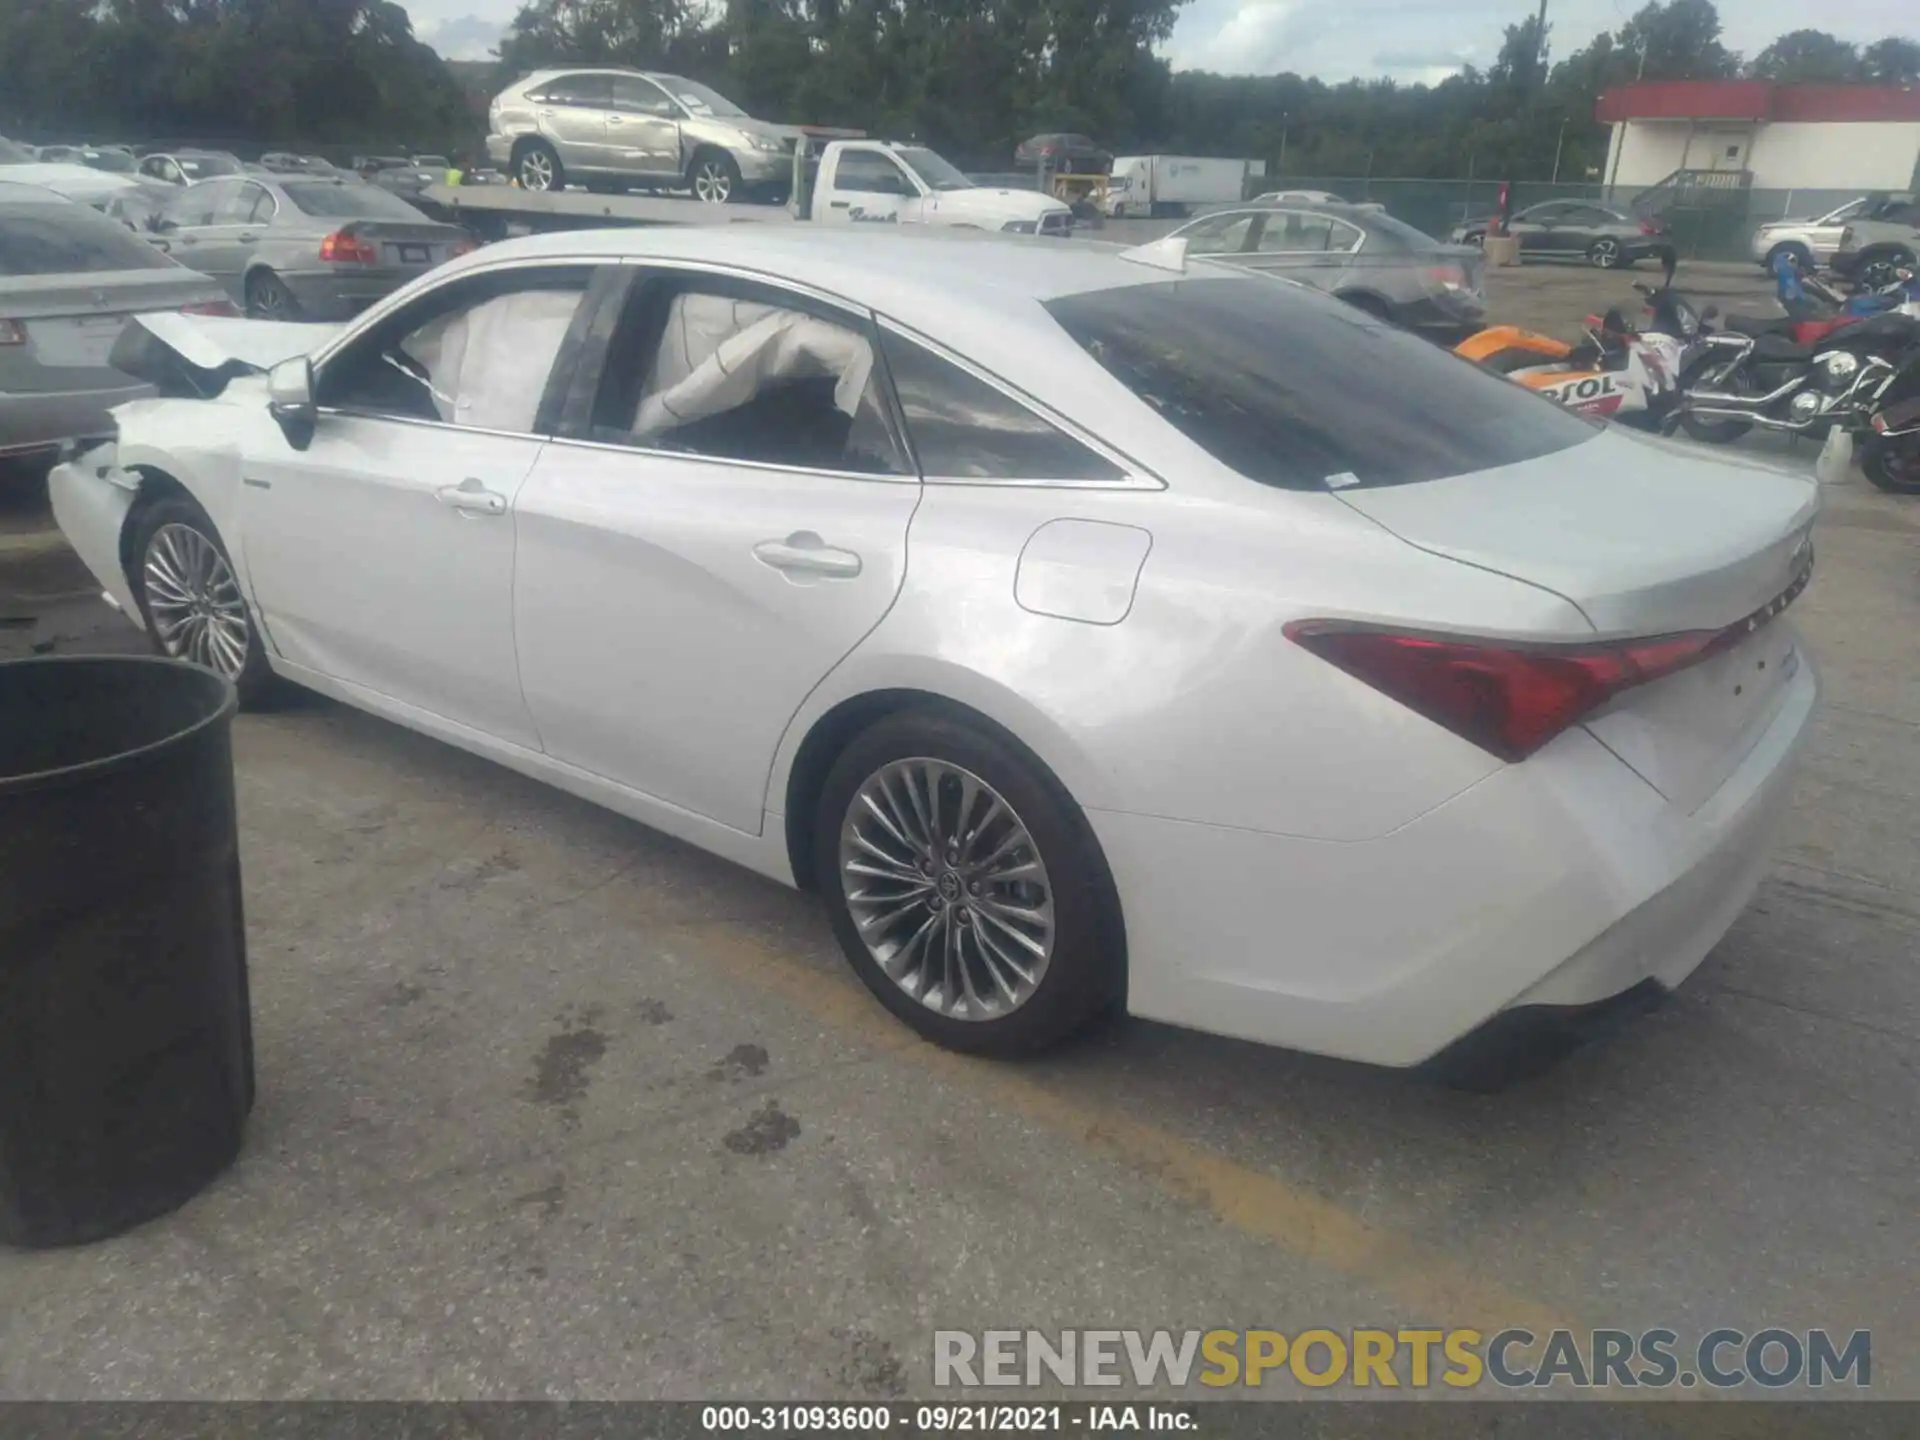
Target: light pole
<point>1284,118</point>
<point>1556,149</point>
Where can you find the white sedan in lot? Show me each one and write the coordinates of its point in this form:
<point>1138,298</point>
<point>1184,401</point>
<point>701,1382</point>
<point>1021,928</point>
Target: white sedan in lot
<point>1090,628</point>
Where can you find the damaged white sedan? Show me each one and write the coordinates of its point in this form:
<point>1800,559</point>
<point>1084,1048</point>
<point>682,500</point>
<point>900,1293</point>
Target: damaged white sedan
<point>1091,629</point>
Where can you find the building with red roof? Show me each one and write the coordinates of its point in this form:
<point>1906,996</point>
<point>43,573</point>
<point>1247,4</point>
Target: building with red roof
<point>1785,137</point>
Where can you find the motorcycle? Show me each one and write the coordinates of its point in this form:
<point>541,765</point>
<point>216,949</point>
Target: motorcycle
<point>1616,372</point>
<point>1823,365</point>
<point>1890,451</point>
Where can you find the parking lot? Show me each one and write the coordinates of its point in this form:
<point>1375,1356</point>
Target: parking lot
<point>551,1106</point>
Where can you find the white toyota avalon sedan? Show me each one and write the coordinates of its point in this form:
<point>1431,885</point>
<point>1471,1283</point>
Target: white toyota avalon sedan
<point>1089,627</point>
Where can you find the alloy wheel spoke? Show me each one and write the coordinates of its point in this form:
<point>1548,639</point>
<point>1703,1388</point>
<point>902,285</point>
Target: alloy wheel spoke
<point>918,847</point>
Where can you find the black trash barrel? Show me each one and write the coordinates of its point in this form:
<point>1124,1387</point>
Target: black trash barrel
<point>126,1043</point>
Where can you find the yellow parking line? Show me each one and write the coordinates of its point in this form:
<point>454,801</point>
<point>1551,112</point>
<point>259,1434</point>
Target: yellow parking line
<point>1435,1289</point>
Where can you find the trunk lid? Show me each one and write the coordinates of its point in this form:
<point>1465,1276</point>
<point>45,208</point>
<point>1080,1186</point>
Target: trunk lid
<point>72,322</point>
<point>1644,537</point>
<point>1647,540</point>
<point>405,244</point>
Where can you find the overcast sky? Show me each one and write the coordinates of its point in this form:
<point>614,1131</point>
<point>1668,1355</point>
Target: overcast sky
<point>1336,39</point>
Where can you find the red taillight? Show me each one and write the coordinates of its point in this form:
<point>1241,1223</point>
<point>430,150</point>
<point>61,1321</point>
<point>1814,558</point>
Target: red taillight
<point>1451,275</point>
<point>462,247</point>
<point>12,332</point>
<point>344,247</point>
<point>1510,700</point>
<point>209,307</point>
<point>1647,227</point>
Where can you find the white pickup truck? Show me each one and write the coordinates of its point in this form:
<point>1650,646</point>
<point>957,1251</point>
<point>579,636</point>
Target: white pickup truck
<point>856,182</point>
<point>879,182</point>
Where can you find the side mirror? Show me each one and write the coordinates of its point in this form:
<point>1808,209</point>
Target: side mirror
<point>161,225</point>
<point>290,399</point>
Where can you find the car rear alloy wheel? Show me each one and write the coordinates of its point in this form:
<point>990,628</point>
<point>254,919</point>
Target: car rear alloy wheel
<point>1604,253</point>
<point>194,600</point>
<point>539,169</point>
<point>715,179</point>
<point>947,888</point>
<point>190,596</point>
<point>269,299</point>
<point>965,887</point>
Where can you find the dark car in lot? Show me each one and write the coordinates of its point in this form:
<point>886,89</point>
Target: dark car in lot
<point>1356,253</point>
<point>1075,154</point>
<point>1577,229</point>
<point>305,247</point>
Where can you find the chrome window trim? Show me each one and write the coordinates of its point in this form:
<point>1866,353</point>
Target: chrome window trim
<point>1134,476</point>
<point>653,453</point>
<point>344,412</point>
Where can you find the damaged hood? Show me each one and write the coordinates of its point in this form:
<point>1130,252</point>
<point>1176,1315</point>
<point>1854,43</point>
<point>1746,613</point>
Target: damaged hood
<point>193,356</point>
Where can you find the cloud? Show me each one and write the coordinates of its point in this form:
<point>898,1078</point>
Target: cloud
<point>467,37</point>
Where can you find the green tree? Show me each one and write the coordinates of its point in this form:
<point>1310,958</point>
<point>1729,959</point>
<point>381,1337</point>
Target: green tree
<point>1677,40</point>
<point>1807,57</point>
<point>1892,61</point>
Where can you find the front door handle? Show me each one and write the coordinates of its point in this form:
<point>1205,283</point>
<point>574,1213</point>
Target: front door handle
<point>249,239</point>
<point>805,553</point>
<point>471,498</point>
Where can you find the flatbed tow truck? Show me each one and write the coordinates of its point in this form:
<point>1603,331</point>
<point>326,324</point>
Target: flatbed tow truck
<point>897,184</point>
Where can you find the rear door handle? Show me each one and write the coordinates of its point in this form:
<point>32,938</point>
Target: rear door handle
<point>805,553</point>
<point>471,498</point>
<point>839,204</point>
<point>249,239</point>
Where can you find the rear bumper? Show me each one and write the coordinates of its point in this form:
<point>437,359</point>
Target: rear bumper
<point>500,149</point>
<point>764,167</point>
<point>1444,322</point>
<point>1553,885</point>
<point>30,424</point>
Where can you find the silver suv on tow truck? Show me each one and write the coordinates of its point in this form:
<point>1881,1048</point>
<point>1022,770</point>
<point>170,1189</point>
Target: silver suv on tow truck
<point>611,129</point>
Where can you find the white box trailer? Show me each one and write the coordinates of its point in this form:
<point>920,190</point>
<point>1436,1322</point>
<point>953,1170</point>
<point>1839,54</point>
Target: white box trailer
<point>1174,184</point>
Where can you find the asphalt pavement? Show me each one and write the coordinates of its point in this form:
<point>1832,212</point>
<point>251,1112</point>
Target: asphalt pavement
<point>551,1106</point>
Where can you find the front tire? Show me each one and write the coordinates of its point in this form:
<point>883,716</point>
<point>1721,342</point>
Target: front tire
<point>966,888</point>
<point>1604,254</point>
<point>714,178</point>
<point>1802,257</point>
<point>190,596</point>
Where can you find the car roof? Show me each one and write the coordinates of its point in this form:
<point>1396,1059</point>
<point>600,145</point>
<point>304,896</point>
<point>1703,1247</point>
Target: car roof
<point>13,192</point>
<point>978,291</point>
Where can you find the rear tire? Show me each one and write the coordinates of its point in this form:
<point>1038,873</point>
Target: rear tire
<point>1885,269</point>
<point>189,595</point>
<point>953,868</point>
<point>1605,254</point>
<point>1714,432</point>
<point>537,167</point>
<point>268,298</point>
<point>1894,465</point>
<point>1370,305</point>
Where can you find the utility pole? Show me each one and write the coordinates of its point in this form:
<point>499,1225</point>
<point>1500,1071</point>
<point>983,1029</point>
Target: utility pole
<point>1540,39</point>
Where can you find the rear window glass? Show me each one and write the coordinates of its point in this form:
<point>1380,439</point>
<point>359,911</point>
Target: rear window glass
<point>1297,390</point>
<point>1386,233</point>
<point>69,239</point>
<point>328,200</point>
<point>200,167</point>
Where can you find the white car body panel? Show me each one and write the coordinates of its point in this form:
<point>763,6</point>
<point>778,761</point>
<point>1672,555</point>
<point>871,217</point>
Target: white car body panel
<point>1300,859</point>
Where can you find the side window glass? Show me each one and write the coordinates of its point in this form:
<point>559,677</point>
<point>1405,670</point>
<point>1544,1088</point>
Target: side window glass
<point>234,205</point>
<point>1293,232</point>
<point>636,96</point>
<point>869,174</point>
<point>193,205</point>
<point>736,375</point>
<point>1344,237</point>
<point>264,208</point>
<point>964,428</point>
<point>1220,234</point>
<point>595,91</point>
<point>475,353</point>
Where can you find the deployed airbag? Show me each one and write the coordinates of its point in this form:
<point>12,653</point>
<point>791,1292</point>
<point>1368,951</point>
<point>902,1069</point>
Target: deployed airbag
<point>488,366</point>
<point>718,354</point>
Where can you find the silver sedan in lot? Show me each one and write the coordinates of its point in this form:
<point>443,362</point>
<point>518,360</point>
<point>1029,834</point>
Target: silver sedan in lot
<point>1357,253</point>
<point>69,277</point>
<point>304,248</point>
